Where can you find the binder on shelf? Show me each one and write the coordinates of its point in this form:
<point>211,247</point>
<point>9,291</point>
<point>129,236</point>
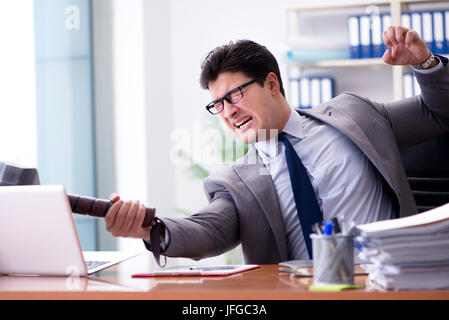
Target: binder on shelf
<point>416,23</point>
<point>386,22</point>
<point>365,36</point>
<point>310,91</point>
<point>376,33</point>
<point>304,93</point>
<point>294,92</point>
<point>406,20</point>
<point>327,89</point>
<point>427,30</point>
<point>354,37</point>
<point>416,87</point>
<point>446,31</point>
<point>315,92</point>
<point>438,31</point>
<point>411,86</point>
<point>408,84</point>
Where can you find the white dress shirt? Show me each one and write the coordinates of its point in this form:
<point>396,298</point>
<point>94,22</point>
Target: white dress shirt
<point>344,180</point>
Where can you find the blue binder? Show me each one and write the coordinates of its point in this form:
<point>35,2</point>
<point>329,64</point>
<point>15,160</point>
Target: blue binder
<point>416,23</point>
<point>304,93</point>
<point>313,91</point>
<point>428,30</point>
<point>408,84</point>
<point>376,35</point>
<point>386,22</point>
<point>354,37</point>
<point>411,86</point>
<point>416,87</point>
<point>294,92</point>
<point>438,31</point>
<point>446,31</point>
<point>365,37</point>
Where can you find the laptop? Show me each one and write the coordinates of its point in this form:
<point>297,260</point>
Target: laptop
<point>38,235</point>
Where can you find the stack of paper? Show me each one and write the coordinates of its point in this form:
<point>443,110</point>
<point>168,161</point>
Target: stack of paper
<point>408,253</point>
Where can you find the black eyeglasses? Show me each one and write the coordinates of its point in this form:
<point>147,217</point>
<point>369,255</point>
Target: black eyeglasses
<point>232,96</point>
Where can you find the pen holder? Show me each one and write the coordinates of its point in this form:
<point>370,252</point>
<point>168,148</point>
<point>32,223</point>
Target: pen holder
<point>333,259</point>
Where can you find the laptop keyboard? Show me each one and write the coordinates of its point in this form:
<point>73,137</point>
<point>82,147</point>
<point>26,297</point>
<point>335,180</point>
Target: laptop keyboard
<point>94,264</point>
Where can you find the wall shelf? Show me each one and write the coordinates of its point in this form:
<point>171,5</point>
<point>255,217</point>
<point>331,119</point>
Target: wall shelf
<point>394,7</point>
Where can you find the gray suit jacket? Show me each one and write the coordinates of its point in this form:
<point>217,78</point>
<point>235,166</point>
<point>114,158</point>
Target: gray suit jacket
<point>243,205</point>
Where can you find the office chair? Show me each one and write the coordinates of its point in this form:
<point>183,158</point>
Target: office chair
<point>427,169</point>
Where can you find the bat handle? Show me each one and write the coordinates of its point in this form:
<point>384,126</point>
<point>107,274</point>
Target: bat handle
<point>100,207</point>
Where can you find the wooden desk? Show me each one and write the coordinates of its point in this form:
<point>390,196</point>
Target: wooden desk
<point>265,283</point>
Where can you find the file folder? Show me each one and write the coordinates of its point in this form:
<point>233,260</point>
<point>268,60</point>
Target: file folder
<point>416,23</point>
<point>446,31</point>
<point>327,89</point>
<point>386,22</point>
<point>376,32</point>
<point>294,92</point>
<point>406,20</point>
<point>354,37</point>
<point>304,93</point>
<point>408,84</point>
<point>311,91</point>
<point>427,30</point>
<point>365,36</point>
<point>416,87</point>
<point>438,32</point>
<point>315,92</point>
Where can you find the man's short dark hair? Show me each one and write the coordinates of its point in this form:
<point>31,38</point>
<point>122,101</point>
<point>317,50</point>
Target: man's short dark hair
<point>248,57</point>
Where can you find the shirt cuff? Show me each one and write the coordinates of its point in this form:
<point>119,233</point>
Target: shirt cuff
<point>434,69</point>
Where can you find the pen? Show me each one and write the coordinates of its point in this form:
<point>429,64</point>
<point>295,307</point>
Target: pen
<point>316,228</point>
<point>336,223</point>
<point>328,228</point>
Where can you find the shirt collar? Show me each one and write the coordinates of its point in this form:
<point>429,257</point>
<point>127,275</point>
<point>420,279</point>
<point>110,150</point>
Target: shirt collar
<point>293,127</point>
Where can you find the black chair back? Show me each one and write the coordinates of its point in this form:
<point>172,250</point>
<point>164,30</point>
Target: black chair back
<point>427,169</point>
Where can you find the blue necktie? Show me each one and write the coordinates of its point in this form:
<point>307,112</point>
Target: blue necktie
<point>309,211</point>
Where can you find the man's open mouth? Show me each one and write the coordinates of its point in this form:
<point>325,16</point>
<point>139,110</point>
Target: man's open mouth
<point>243,123</point>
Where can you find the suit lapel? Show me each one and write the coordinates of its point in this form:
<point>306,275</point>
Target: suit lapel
<point>258,180</point>
<point>349,127</point>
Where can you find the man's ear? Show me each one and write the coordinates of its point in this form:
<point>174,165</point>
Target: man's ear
<point>272,83</point>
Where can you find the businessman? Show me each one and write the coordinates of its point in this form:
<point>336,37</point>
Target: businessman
<point>340,159</point>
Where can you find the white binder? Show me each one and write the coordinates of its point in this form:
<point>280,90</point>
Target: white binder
<point>294,92</point>
<point>427,29</point>
<point>365,36</point>
<point>327,91</point>
<point>354,37</point>
<point>416,87</point>
<point>376,31</point>
<point>408,84</point>
<point>406,20</point>
<point>315,92</point>
<point>438,31</point>
<point>304,93</point>
<point>386,22</point>
<point>416,23</point>
<point>446,31</point>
